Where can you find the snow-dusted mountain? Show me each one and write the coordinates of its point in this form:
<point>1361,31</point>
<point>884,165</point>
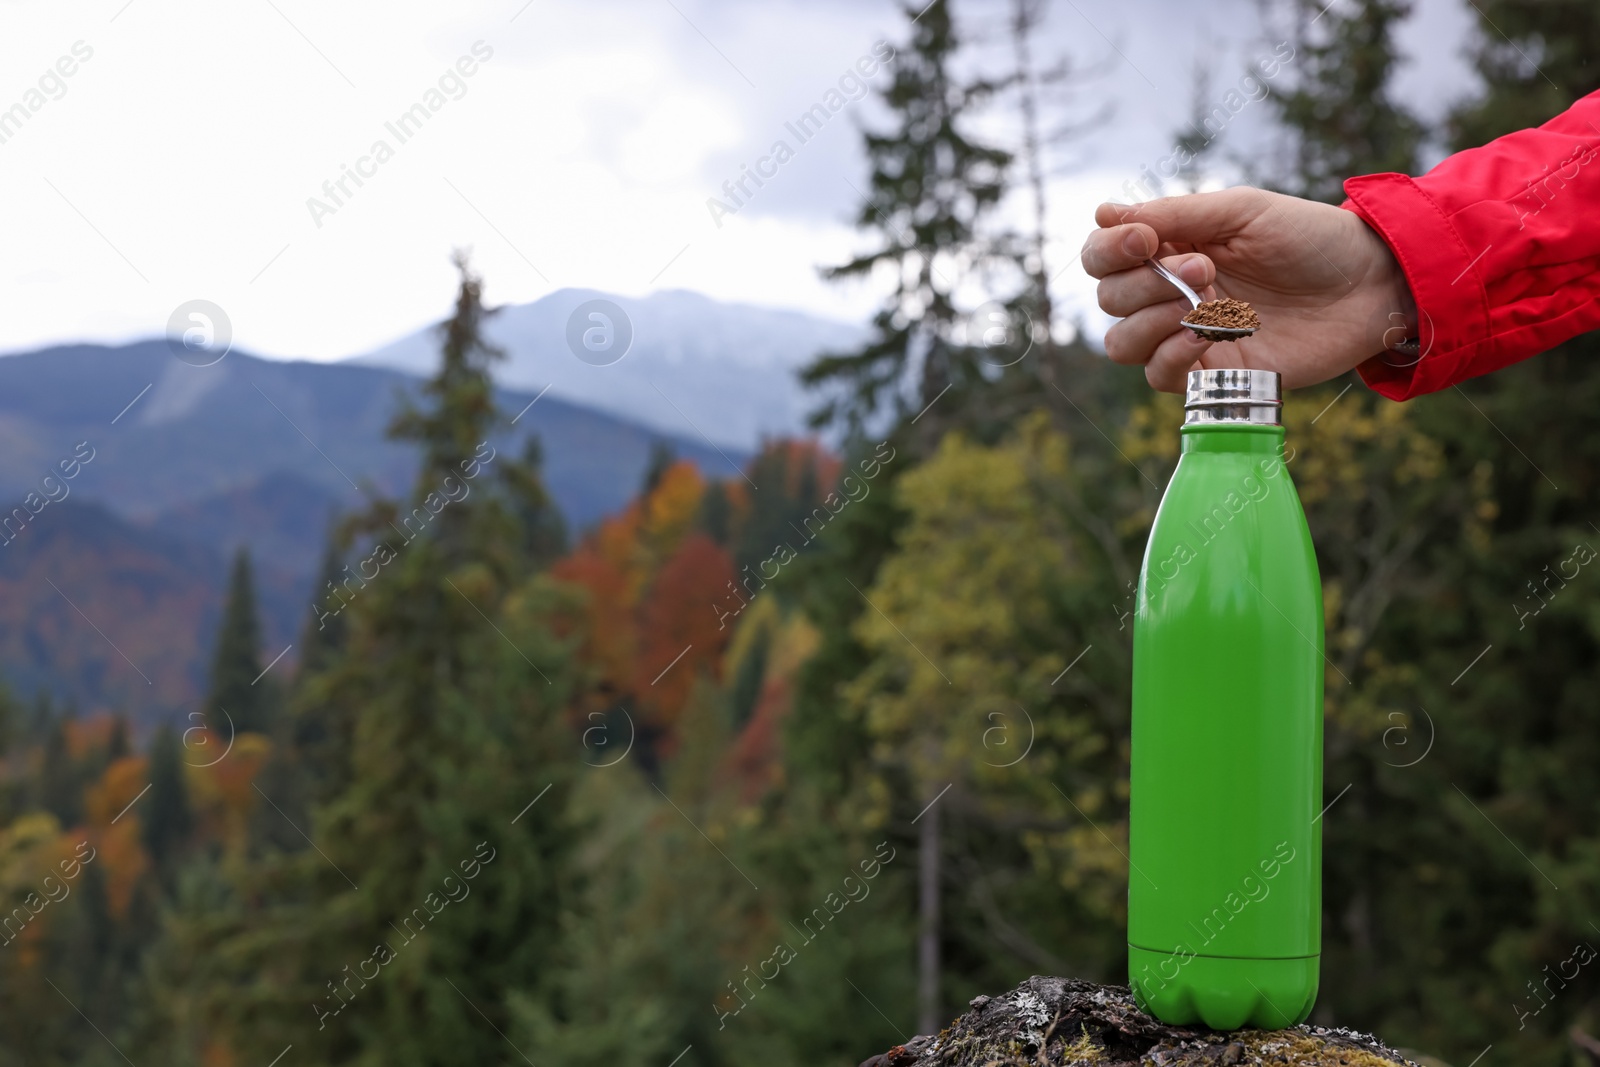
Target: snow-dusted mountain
<point>694,364</point>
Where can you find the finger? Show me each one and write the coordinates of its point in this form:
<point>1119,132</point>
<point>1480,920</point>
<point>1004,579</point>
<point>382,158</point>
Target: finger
<point>1195,218</point>
<point>1118,248</point>
<point>1173,359</point>
<point>1125,292</point>
<point>1133,340</point>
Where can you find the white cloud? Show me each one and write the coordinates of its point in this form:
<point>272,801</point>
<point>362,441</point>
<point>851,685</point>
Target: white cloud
<point>178,162</point>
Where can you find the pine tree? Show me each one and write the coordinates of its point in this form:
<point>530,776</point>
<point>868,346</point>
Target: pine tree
<point>322,731</point>
<point>41,713</point>
<point>544,530</point>
<point>1342,111</point>
<point>322,637</point>
<point>60,789</point>
<point>235,694</point>
<point>13,720</point>
<point>166,818</point>
<point>716,514</point>
<point>777,513</point>
<point>933,187</point>
<point>1051,112</point>
<point>118,746</point>
<point>453,433</point>
<point>454,712</point>
<point>662,456</point>
<point>1534,61</point>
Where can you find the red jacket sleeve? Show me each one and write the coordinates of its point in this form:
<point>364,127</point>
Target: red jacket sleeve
<point>1501,246</point>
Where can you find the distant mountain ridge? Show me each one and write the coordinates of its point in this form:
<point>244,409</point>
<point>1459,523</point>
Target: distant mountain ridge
<point>172,436</point>
<point>111,588</point>
<point>695,366</point>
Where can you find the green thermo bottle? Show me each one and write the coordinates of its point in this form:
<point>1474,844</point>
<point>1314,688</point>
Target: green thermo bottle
<point>1225,884</point>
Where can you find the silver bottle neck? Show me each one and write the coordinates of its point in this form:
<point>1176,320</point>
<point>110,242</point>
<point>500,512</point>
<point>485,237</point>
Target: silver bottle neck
<point>1236,397</point>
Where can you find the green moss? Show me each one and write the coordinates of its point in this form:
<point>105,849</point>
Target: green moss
<point>1313,1053</point>
<point>1084,1052</point>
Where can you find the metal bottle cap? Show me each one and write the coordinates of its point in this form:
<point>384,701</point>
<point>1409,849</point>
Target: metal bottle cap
<point>1244,397</point>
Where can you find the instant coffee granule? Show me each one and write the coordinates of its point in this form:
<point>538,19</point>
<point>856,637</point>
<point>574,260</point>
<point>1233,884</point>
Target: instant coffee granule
<point>1227,313</point>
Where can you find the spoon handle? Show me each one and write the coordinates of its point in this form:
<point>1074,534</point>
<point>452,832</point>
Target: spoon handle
<point>1192,296</point>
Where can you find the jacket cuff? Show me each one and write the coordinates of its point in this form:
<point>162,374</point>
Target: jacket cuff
<point>1445,279</point>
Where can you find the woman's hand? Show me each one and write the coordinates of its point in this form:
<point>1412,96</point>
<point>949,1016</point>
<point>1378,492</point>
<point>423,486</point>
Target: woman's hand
<point>1327,288</point>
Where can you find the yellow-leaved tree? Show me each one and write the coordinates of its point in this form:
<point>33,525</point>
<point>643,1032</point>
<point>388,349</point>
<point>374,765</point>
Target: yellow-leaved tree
<point>995,695</point>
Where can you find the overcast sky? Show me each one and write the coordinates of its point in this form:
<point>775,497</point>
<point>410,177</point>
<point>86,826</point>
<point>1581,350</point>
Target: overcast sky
<point>176,160</point>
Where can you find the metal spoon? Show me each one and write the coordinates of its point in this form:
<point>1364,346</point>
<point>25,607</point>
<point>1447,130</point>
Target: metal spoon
<point>1210,333</point>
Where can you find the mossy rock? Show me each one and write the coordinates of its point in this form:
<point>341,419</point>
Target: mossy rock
<point>1061,1022</point>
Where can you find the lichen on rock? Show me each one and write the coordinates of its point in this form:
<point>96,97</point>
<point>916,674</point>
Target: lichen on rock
<point>1063,1022</point>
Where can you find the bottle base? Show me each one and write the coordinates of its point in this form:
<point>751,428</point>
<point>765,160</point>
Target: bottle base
<point>1224,993</point>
